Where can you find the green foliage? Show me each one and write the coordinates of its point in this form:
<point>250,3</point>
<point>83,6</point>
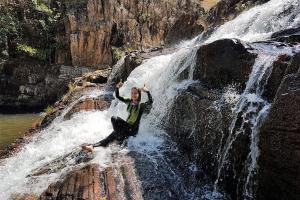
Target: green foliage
<point>27,49</point>
<point>29,28</point>
<point>41,6</point>
<point>118,53</point>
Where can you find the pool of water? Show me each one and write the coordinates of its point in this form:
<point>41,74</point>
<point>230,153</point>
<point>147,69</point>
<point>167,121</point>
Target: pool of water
<point>13,126</point>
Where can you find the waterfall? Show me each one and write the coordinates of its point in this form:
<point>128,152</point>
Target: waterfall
<point>248,108</point>
<point>160,74</point>
<point>62,137</point>
<point>260,22</point>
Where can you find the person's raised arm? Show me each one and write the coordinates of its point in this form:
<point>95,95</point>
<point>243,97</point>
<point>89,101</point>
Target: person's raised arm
<point>146,90</point>
<point>125,100</point>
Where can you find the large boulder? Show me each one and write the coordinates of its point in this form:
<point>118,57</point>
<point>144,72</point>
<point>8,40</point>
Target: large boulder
<point>224,62</point>
<point>201,115</point>
<point>279,162</point>
<point>124,67</point>
<point>127,64</point>
<point>198,126</point>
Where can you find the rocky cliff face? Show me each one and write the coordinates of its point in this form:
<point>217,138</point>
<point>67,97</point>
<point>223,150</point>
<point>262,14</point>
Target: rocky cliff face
<point>93,27</point>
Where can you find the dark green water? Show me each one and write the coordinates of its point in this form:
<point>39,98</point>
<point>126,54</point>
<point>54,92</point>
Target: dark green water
<point>13,126</point>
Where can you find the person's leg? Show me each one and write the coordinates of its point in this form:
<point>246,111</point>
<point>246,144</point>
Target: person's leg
<point>106,140</point>
<point>118,124</point>
<point>123,129</point>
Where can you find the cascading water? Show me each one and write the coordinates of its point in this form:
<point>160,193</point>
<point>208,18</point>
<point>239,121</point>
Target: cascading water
<point>161,75</point>
<point>260,22</point>
<point>61,137</point>
<point>249,110</point>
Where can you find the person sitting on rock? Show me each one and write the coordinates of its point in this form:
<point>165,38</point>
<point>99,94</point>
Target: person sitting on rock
<point>123,129</point>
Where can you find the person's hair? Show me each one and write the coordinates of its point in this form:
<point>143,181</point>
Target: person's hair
<point>139,91</point>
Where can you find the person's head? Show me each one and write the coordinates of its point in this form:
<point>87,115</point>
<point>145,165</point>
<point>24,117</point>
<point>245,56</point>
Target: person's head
<point>135,94</point>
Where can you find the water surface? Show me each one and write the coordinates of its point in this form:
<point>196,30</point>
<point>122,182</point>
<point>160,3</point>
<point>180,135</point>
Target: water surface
<point>13,126</point>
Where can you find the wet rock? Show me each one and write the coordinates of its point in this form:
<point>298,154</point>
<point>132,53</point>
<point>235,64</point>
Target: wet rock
<point>86,183</point>
<point>122,69</point>
<point>224,62</point>
<point>99,76</point>
<point>117,181</point>
<point>91,79</point>
<point>73,158</point>
<point>100,103</point>
<point>287,36</point>
<point>199,126</point>
<point>279,162</point>
<point>278,72</point>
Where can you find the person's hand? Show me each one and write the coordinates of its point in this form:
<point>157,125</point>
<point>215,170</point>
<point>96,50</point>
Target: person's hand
<point>145,89</point>
<point>120,84</point>
<point>87,147</point>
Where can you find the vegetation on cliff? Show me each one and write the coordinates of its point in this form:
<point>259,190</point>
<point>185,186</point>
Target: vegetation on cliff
<point>28,29</point>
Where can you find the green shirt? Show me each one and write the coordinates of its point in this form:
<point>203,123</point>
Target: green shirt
<point>135,111</point>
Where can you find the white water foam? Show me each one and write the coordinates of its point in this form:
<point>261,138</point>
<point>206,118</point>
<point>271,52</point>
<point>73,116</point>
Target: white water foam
<point>260,22</point>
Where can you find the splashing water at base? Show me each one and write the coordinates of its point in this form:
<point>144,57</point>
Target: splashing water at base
<point>61,137</point>
<point>55,141</point>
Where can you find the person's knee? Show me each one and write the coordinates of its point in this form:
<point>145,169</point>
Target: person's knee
<point>113,118</point>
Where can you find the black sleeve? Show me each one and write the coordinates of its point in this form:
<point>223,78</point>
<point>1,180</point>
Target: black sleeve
<point>125,100</point>
<point>150,101</point>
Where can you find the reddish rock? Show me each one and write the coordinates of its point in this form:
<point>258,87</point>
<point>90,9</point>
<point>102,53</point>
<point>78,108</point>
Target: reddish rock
<point>24,197</point>
<point>93,27</point>
<point>100,103</point>
<point>89,183</point>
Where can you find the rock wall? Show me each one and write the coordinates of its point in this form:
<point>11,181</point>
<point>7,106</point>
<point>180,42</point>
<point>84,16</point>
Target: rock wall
<point>31,86</point>
<point>280,140</point>
<point>92,27</point>
<point>201,122</point>
<point>201,115</point>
